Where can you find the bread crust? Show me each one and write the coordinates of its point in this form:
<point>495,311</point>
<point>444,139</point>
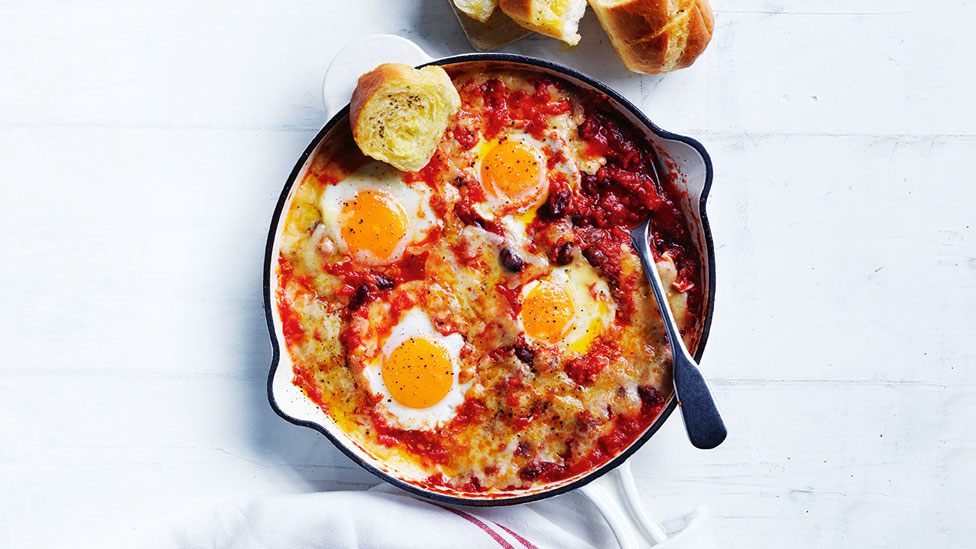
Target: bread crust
<point>431,83</point>
<point>520,10</point>
<point>652,36</point>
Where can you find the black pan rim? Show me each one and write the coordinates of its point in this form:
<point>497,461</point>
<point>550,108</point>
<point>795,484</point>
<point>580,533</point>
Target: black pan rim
<point>593,474</point>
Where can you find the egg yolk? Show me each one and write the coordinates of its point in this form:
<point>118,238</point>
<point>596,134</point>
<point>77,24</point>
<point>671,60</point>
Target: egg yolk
<point>515,172</point>
<point>418,373</point>
<point>547,312</point>
<point>374,223</point>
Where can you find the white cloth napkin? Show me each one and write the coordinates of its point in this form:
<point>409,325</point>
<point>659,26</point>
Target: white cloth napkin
<point>385,516</point>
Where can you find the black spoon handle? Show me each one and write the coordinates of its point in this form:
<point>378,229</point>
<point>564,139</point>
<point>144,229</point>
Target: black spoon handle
<point>703,421</point>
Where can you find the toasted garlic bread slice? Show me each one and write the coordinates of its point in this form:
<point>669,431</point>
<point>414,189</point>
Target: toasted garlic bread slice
<point>399,114</point>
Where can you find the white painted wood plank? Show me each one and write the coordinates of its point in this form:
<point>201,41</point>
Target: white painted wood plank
<point>826,464</point>
<point>843,258</point>
<point>146,247</point>
<point>863,67</point>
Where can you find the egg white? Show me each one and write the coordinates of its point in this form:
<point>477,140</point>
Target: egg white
<point>593,306</point>
<point>379,177</point>
<point>415,323</point>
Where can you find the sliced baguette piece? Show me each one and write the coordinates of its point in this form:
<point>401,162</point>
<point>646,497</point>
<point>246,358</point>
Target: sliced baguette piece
<point>555,18</point>
<point>655,36</point>
<point>478,9</point>
<point>399,114</point>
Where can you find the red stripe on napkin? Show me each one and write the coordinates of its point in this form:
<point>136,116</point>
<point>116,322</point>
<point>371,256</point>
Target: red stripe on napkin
<point>523,541</point>
<point>487,529</point>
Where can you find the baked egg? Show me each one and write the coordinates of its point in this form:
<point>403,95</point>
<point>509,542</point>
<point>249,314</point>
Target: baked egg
<point>570,307</point>
<point>514,171</point>
<point>373,216</point>
<point>416,375</point>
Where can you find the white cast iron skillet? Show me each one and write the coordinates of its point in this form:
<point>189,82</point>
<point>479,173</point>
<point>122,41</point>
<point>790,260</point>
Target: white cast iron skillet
<point>692,171</point>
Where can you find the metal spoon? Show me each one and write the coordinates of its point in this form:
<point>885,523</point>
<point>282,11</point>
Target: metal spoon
<point>703,421</point>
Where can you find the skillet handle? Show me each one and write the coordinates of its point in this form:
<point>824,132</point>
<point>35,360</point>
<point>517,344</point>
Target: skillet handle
<point>360,56</point>
<point>615,495</point>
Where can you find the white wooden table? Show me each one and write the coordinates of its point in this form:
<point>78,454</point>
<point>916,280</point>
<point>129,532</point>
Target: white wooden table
<point>143,146</point>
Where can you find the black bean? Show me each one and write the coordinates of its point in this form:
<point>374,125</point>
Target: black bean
<point>525,354</point>
<point>595,256</point>
<point>383,283</point>
<point>564,254</point>
<point>358,298</point>
<point>512,262</point>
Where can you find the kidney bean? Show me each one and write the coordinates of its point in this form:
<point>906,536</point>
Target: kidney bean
<point>525,354</point>
<point>595,256</point>
<point>358,298</point>
<point>512,262</point>
<point>563,254</point>
<point>556,206</point>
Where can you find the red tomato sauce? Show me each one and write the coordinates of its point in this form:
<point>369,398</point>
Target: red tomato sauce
<point>503,106</point>
<point>584,369</point>
<point>628,190</point>
<point>420,443</point>
<point>428,444</point>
